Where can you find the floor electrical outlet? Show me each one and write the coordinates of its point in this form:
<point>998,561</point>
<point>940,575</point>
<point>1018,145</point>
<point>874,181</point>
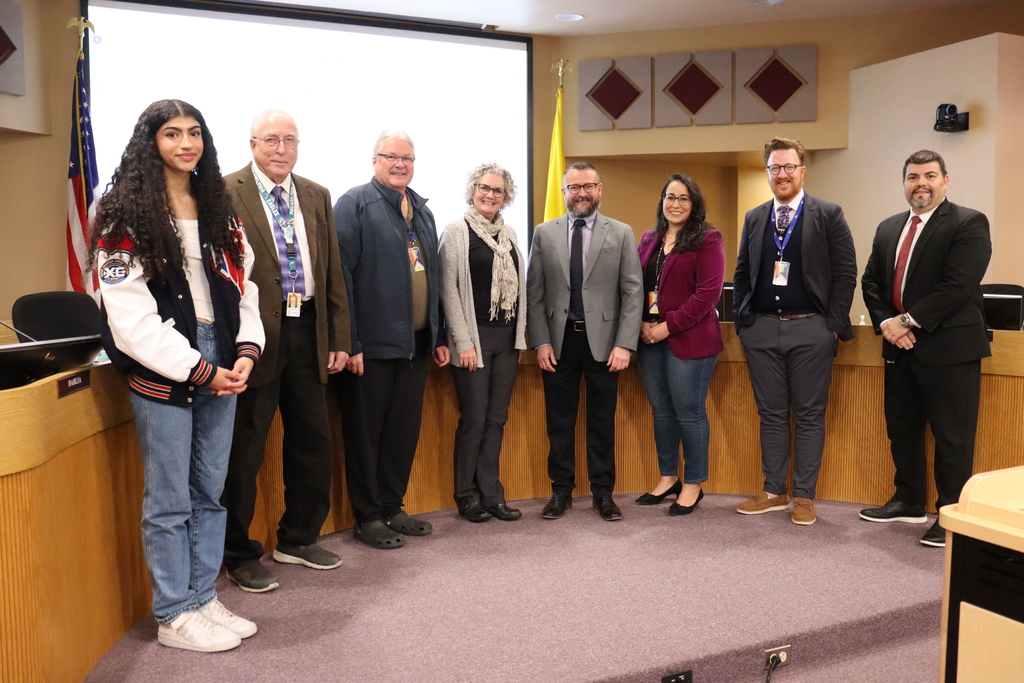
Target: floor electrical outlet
<point>784,653</point>
<point>681,677</point>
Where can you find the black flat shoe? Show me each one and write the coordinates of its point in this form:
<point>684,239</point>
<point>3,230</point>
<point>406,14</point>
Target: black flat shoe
<point>651,499</point>
<point>503,512</point>
<point>474,512</point>
<point>677,510</point>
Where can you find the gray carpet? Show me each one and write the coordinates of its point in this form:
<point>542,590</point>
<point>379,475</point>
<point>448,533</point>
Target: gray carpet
<point>580,599</point>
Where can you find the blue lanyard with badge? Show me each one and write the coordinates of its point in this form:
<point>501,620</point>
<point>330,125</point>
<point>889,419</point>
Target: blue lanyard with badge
<point>780,276</point>
<point>287,228</point>
<point>414,252</point>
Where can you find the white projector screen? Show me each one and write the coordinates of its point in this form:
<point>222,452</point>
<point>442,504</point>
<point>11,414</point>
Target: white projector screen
<point>463,100</point>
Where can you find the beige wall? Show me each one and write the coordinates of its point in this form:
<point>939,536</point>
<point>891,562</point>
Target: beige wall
<point>892,110</point>
<point>33,173</point>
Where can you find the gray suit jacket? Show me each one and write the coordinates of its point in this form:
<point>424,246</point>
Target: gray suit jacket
<point>612,286</point>
<point>331,299</point>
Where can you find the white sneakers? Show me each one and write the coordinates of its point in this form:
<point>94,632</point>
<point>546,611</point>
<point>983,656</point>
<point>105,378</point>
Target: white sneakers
<point>216,612</point>
<point>213,628</point>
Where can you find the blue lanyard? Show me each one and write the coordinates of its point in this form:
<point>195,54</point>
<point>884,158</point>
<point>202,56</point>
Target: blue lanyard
<point>286,226</point>
<point>781,244</point>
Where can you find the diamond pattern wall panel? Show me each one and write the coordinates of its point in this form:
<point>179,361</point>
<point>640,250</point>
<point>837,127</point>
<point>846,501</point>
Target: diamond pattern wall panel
<point>693,89</point>
<point>667,111</point>
<point>638,114</point>
<point>718,65</point>
<point>749,107</point>
<point>803,105</point>
<point>590,73</point>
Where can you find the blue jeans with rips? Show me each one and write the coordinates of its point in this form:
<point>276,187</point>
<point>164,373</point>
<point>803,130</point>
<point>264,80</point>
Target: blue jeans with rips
<point>184,463</point>
<point>678,391</point>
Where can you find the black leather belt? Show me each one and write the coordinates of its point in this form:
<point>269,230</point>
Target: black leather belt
<point>795,316</point>
<point>578,325</point>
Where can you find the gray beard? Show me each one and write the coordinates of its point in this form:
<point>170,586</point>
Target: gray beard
<point>585,213</point>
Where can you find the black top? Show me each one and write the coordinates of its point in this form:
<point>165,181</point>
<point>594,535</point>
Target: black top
<point>481,264</point>
<point>651,273</point>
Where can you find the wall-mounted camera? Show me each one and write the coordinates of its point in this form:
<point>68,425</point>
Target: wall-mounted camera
<point>947,120</point>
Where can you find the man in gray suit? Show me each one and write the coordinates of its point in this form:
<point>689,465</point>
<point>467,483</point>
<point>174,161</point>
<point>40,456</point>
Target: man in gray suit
<point>583,310</point>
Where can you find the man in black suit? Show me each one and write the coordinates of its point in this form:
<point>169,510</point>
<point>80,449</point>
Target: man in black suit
<point>922,287</point>
<point>304,308</point>
<point>792,290</point>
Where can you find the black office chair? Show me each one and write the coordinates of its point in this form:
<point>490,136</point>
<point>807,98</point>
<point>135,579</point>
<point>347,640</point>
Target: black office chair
<point>55,315</point>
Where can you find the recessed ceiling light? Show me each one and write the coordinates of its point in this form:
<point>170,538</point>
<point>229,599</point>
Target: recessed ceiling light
<point>765,3</point>
<point>569,17</point>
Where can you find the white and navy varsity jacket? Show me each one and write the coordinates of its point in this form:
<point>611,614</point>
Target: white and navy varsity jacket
<point>149,328</point>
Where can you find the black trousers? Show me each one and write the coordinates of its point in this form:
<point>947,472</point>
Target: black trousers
<point>945,397</point>
<point>561,403</point>
<point>484,396</point>
<point>381,413</point>
<point>306,449</point>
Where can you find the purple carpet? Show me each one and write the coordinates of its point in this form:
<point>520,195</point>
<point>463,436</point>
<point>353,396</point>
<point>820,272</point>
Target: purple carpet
<point>581,599</point>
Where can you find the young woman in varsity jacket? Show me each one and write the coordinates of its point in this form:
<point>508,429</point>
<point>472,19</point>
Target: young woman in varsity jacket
<point>181,319</point>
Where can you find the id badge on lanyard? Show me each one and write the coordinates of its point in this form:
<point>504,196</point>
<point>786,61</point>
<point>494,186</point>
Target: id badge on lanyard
<point>780,274</point>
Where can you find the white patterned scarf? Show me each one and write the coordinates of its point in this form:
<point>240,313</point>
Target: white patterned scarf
<point>504,278</point>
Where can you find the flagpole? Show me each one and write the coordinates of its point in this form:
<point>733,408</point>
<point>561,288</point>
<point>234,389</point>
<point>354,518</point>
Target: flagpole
<point>554,206</point>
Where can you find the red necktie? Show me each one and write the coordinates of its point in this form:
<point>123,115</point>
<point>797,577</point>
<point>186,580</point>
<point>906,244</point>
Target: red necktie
<point>901,264</point>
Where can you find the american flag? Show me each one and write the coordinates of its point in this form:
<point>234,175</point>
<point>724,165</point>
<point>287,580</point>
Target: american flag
<point>82,183</point>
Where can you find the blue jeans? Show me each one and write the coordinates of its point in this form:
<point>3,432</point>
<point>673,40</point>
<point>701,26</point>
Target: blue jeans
<point>678,390</point>
<point>184,463</point>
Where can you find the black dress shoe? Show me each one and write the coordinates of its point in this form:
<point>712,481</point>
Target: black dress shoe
<point>474,512</point>
<point>895,511</point>
<point>556,507</point>
<point>651,499</point>
<point>503,512</point>
<point>935,536</point>
<point>607,508</point>
<point>677,510</point>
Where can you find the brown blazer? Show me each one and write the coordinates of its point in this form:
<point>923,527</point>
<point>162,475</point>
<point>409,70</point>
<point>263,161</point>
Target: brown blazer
<point>332,319</point>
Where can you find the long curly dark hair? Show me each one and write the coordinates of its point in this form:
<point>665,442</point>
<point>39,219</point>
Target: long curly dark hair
<point>137,205</point>
<point>696,227</point>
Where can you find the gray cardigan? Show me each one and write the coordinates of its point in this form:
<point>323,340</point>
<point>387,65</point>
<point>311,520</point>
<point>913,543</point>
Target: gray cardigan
<point>457,293</point>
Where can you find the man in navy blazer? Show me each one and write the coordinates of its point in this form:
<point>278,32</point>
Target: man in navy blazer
<point>922,287</point>
<point>792,290</point>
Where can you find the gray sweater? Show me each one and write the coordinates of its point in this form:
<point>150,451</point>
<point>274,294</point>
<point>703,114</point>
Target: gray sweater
<point>457,294</point>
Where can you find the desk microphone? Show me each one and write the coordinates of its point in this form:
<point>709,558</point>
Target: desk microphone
<point>17,331</point>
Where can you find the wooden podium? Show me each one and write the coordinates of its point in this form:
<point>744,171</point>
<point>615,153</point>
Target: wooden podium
<point>983,600</point>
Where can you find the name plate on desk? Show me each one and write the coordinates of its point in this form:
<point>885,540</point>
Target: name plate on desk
<point>72,383</point>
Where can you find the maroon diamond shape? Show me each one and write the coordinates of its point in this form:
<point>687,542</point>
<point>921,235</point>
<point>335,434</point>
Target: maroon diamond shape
<point>775,84</point>
<point>614,93</point>
<point>693,88</point>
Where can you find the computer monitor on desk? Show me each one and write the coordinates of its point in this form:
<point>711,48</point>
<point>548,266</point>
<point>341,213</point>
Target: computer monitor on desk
<point>1004,311</point>
<point>21,364</point>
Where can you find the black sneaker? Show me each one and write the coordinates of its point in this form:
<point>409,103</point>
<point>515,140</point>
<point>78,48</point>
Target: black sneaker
<point>935,537</point>
<point>253,577</point>
<point>895,511</point>
<point>312,556</point>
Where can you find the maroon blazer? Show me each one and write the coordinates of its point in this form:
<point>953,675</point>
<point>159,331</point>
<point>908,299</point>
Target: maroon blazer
<point>691,285</point>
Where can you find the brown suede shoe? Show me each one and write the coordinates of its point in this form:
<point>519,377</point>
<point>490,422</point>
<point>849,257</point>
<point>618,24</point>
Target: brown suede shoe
<point>761,503</point>
<point>803,511</point>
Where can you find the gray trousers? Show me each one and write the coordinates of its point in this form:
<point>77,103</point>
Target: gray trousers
<point>484,396</point>
<point>790,365</point>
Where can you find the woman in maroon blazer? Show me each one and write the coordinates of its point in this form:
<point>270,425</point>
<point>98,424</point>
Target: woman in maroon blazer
<point>683,260</point>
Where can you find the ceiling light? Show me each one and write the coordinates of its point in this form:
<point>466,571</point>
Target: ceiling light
<point>765,3</point>
<point>569,17</point>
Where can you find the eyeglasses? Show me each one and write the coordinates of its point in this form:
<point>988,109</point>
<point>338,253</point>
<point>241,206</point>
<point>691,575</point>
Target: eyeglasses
<point>575,189</point>
<point>496,191</point>
<point>392,159</point>
<point>273,142</point>
<point>682,199</point>
<point>788,168</point>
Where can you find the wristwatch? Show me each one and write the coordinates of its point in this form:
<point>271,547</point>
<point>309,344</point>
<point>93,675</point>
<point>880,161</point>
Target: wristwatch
<point>905,320</point>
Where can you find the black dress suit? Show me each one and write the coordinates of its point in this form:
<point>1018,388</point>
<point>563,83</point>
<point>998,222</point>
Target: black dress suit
<point>937,381</point>
<point>790,360</point>
<point>291,374</point>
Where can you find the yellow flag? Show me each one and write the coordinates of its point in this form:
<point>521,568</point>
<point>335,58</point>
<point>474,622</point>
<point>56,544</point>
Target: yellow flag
<point>554,205</point>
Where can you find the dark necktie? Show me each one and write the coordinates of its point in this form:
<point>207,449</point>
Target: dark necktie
<point>782,222</point>
<point>901,264</point>
<point>576,271</point>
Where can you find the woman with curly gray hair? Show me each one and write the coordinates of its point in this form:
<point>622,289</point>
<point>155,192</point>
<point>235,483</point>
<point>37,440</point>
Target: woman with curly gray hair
<point>483,288</point>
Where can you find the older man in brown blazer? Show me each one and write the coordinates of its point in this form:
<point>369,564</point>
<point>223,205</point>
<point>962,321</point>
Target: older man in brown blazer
<point>304,307</point>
